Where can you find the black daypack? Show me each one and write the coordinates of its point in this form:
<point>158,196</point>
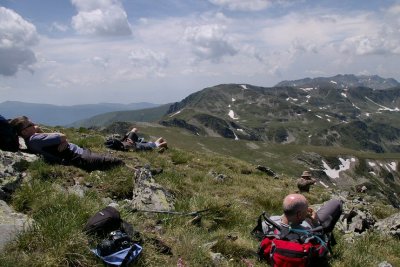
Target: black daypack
<point>108,220</point>
<point>120,243</point>
<point>103,222</point>
<point>115,144</point>
<point>9,140</point>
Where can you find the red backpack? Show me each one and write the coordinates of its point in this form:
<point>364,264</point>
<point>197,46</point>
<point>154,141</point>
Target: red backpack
<point>287,247</point>
<point>286,253</point>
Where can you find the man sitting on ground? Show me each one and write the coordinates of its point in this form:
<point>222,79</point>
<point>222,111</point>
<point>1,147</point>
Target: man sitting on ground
<point>297,218</point>
<point>297,213</point>
<point>305,182</point>
<point>131,139</point>
<point>55,148</point>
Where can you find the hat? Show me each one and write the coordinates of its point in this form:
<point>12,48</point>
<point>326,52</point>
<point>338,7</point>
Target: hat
<point>306,174</point>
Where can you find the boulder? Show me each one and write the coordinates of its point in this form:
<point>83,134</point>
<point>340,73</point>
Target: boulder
<point>390,225</point>
<point>149,195</point>
<point>12,171</point>
<point>11,223</point>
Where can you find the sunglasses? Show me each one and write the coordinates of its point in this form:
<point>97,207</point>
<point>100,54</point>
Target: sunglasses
<point>27,126</point>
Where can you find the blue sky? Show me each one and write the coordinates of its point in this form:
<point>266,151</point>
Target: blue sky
<point>68,52</point>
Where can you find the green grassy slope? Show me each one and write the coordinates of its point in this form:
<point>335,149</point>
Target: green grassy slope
<point>56,239</point>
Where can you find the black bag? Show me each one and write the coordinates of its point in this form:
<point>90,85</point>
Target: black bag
<point>104,222</point>
<point>9,140</point>
<point>115,144</point>
<point>108,220</point>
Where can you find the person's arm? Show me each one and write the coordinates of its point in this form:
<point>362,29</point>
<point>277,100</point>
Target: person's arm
<point>39,141</point>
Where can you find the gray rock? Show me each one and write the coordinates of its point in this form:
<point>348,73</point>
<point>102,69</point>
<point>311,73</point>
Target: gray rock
<point>219,177</point>
<point>12,171</point>
<point>11,223</point>
<point>384,264</point>
<point>390,225</point>
<point>217,258</point>
<point>148,194</point>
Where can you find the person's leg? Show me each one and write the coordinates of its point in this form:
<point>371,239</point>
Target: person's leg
<point>146,146</point>
<point>329,214</point>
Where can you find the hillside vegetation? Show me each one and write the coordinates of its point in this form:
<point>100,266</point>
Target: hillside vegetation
<point>189,168</point>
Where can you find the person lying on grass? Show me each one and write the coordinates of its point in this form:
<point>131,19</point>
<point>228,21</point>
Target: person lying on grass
<point>55,148</point>
<point>132,140</point>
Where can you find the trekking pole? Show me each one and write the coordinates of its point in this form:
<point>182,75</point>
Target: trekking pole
<point>274,224</point>
<point>179,213</point>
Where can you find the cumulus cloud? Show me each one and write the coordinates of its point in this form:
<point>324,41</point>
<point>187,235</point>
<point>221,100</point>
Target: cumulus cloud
<point>382,37</point>
<point>248,5</point>
<point>103,17</point>
<point>209,42</point>
<point>16,38</point>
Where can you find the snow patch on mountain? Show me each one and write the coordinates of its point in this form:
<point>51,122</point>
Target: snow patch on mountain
<point>176,113</point>
<point>232,115</point>
<point>383,108</point>
<point>334,173</point>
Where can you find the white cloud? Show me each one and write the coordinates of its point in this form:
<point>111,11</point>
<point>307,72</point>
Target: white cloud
<point>248,5</point>
<point>56,26</point>
<point>209,42</point>
<point>100,61</point>
<point>104,17</point>
<point>16,38</point>
<point>148,60</point>
<point>394,10</point>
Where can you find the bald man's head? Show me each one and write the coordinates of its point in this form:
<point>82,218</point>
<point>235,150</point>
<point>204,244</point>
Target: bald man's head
<point>293,204</point>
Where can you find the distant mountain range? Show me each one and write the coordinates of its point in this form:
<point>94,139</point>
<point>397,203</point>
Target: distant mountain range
<point>142,115</point>
<point>54,115</point>
<point>343,81</point>
<point>336,111</point>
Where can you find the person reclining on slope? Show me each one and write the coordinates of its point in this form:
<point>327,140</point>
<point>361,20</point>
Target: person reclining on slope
<point>295,225</point>
<point>131,140</point>
<point>55,148</point>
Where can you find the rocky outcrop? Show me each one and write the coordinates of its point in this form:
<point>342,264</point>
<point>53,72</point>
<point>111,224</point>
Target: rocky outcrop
<point>182,124</point>
<point>11,223</point>
<point>12,174</point>
<point>148,194</point>
<point>390,225</point>
<point>12,171</point>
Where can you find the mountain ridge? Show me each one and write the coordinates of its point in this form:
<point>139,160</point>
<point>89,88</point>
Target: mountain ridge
<point>321,115</point>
